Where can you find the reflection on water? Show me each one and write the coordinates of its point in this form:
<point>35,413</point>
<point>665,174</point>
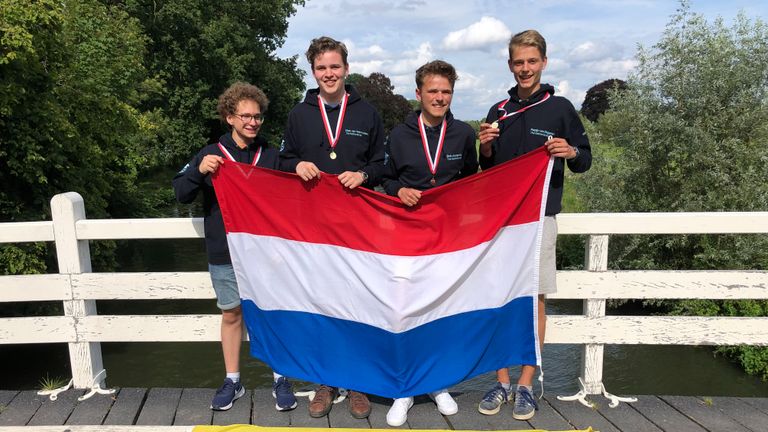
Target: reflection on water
<point>628,369</point>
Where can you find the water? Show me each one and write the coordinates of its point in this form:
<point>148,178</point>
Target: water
<point>628,369</point>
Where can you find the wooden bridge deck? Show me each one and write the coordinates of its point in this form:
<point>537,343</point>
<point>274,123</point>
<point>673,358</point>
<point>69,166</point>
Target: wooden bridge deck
<point>181,407</point>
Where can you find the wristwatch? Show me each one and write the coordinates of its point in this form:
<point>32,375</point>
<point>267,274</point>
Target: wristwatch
<point>576,149</point>
<point>365,176</point>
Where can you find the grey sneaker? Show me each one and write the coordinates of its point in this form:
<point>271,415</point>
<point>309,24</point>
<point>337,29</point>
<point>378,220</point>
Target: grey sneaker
<point>525,404</point>
<point>492,401</point>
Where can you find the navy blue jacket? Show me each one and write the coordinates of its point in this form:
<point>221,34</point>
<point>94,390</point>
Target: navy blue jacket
<point>407,164</point>
<point>530,129</point>
<point>188,182</point>
<point>360,147</point>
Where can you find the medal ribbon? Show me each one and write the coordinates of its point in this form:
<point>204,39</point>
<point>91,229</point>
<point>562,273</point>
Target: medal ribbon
<point>229,156</point>
<point>432,163</point>
<point>333,139</point>
<point>525,108</point>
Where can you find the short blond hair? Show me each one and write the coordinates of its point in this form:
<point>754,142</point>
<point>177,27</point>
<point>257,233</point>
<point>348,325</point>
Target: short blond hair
<point>528,38</point>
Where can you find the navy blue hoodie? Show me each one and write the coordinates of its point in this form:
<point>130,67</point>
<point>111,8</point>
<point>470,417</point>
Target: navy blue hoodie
<point>360,146</point>
<point>530,129</point>
<point>407,163</point>
<point>188,182</point>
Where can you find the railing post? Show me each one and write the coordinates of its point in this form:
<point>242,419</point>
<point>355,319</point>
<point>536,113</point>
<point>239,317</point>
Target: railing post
<point>596,260</point>
<point>74,256</point>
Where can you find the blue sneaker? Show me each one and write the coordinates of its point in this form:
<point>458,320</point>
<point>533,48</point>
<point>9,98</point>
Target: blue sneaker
<point>282,391</point>
<point>525,404</point>
<point>226,395</point>
<point>493,400</point>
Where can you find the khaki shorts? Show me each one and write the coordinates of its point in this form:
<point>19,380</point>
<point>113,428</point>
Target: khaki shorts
<point>547,265</point>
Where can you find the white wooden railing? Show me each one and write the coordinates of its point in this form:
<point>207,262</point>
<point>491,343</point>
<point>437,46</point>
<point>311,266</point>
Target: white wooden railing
<point>84,330</point>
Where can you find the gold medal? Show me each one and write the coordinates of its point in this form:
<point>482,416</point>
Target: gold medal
<point>333,154</point>
<point>495,125</point>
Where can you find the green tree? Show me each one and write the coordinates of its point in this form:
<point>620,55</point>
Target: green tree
<point>198,49</point>
<point>596,100</point>
<point>378,90</point>
<point>687,135</point>
<point>70,76</point>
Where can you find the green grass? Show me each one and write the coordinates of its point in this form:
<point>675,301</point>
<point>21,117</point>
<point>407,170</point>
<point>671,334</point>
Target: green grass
<point>48,383</point>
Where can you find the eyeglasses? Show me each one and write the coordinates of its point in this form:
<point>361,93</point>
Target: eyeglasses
<point>246,118</point>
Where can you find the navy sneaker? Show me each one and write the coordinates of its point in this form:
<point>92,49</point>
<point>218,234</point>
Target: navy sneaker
<point>226,395</point>
<point>282,391</point>
<point>525,404</point>
<point>493,400</point>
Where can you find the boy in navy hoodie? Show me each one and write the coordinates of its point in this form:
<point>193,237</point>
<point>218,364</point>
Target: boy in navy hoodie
<point>430,149</point>
<point>242,107</point>
<point>532,117</point>
<point>337,132</point>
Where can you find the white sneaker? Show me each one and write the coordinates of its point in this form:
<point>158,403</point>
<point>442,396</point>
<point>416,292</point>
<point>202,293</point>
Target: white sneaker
<point>445,403</point>
<point>398,414</point>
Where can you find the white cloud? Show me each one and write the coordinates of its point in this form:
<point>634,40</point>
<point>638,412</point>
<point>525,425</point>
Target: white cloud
<point>374,51</point>
<point>480,35</point>
<point>409,61</point>
<point>610,67</point>
<point>563,88</point>
<point>366,68</point>
<point>589,50</point>
<point>555,65</point>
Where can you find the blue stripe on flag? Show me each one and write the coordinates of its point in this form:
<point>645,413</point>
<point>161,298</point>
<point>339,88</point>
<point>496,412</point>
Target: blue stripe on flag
<point>361,357</point>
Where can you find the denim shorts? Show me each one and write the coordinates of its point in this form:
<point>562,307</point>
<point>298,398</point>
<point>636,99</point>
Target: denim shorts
<point>225,285</point>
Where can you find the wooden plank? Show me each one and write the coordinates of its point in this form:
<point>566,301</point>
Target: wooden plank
<point>264,412</point>
<point>300,416</point>
<point>45,287</point>
<point>664,415</point>
<point>626,418</point>
<point>424,415</point>
<point>663,223</point>
<point>195,407</point>
<point>21,409</point>
<point>654,284</point>
<point>22,232</point>
<point>56,412</point>
<point>744,414</point>
<point>547,417</point>
<point>125,409</point>
<point>469,418</point>
<point>341,418</point>
<point>150,328</point>
<point>6,396</point>
<point>91,411</point>
<point>759,403</point>
<point>41,329</point>
<point>709,417</point>
<point>157,228</point>
<point>582,417</point>
<point>655,330</point>
<point>142,286</point>
<point>159,407</point>
<point>379,408</point>
<point>240,413</point>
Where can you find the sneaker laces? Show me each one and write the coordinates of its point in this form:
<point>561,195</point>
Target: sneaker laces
<point>496,394</point>
<point>526,399</point>
<point>283,387</point>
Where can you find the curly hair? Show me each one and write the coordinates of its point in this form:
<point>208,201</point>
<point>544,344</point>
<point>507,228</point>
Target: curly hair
<point>436,67</point>
<point>237,92</point>
<point>324,44</point>
<point>528,38</point>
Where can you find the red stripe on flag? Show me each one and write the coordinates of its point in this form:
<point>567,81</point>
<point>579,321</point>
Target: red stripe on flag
<point>454,217</point>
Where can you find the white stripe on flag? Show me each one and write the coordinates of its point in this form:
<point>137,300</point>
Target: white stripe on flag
<point>393,293</point>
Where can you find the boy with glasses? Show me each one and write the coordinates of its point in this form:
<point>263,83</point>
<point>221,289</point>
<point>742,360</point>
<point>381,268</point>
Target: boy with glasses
<point>242,107</point>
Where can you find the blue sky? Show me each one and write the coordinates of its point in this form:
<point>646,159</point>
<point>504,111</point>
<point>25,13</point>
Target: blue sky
<point>587,41</point>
